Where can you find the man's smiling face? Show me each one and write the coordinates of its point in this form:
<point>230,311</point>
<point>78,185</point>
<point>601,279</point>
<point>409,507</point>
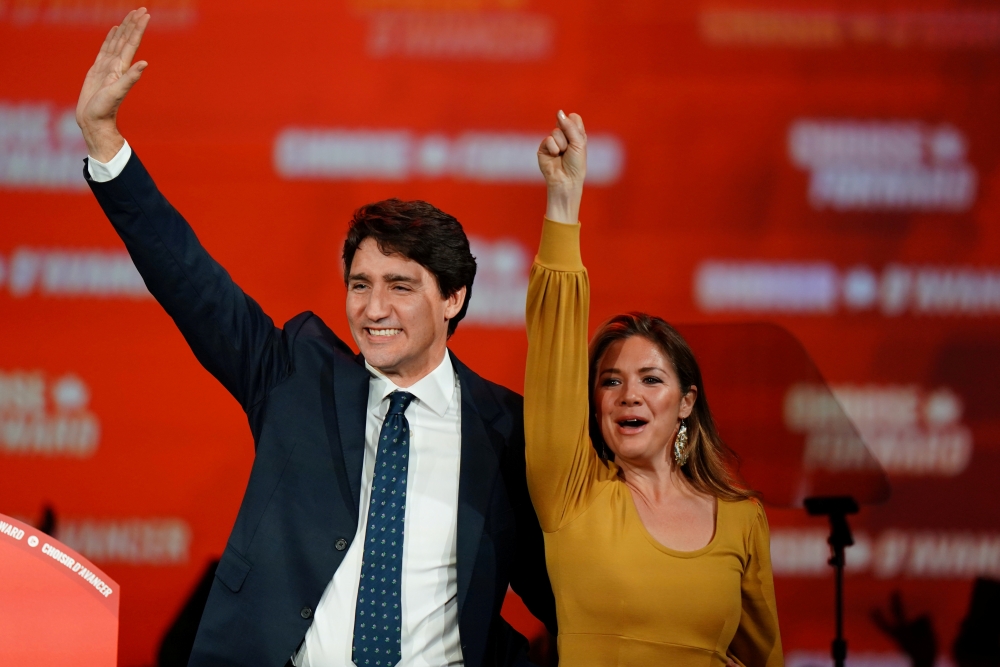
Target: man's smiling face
<point>397,315</point>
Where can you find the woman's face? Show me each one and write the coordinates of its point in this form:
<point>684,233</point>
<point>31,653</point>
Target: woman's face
<point>639,399</point>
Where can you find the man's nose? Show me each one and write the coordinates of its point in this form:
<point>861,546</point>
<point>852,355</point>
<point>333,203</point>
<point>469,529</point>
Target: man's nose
<point>377,307</point>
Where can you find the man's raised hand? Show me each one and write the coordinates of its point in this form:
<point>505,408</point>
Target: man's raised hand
<point>562,157</point>
<point>108,81</point>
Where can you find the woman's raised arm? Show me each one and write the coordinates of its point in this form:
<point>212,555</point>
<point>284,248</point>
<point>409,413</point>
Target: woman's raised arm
<point>562,465</point>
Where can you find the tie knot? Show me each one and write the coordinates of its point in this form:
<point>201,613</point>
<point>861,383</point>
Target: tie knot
<point>398,400</point>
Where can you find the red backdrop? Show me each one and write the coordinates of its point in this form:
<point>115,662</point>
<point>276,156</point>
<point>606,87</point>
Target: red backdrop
<point>833,170</point>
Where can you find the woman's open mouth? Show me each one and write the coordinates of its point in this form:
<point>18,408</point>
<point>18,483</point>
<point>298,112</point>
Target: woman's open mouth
<point>631,425</point>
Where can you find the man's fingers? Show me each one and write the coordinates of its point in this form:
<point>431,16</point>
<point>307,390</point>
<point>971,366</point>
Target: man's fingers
<point>124,84</point>
<point>126,38</point>
<point>116,43</point>
<point>106,46</point>
<point>135,71</point>
<point>134,38</point>
<point>127,27</point>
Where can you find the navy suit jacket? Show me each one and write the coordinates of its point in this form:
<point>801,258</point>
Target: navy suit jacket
<point>305,395</point>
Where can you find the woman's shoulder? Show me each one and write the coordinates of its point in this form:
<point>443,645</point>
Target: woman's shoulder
<point>742,515</point>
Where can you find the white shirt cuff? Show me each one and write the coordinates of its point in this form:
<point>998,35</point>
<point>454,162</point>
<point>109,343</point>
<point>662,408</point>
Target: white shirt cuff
<point>101,172</point>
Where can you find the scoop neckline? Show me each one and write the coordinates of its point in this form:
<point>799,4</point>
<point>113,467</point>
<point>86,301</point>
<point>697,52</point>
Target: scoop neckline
<point>665,549</point>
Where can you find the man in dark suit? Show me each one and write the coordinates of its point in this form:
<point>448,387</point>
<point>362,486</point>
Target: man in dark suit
<point>387,507</point>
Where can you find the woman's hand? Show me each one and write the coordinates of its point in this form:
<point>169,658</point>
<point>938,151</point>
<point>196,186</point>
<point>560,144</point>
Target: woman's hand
<point>562,157</point>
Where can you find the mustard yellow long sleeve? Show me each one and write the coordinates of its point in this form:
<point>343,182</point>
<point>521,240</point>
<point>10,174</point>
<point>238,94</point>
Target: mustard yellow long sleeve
<point>757,635</point>
<point>622,598</point>
<point>562,465</point>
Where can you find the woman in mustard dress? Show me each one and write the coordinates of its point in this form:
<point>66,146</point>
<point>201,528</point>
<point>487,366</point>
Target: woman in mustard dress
<point>657,555</point>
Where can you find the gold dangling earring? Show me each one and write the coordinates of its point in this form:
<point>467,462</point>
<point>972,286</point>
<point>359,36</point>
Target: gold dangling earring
<point>680,445</point>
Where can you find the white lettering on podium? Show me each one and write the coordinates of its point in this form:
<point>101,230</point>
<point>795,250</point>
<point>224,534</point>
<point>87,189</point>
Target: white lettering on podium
<point>78,568</point>
<point>95,581</point>
<point>11,530</point>
<point>59,556</point>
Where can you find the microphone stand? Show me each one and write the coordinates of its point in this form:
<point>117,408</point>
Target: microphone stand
<point>836,508</point>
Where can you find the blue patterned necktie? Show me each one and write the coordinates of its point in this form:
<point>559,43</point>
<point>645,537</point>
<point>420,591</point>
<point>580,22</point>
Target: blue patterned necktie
<point>378,614</point>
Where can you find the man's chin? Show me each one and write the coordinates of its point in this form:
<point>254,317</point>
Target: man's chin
<point>382,359</point>
<point>383,350</point>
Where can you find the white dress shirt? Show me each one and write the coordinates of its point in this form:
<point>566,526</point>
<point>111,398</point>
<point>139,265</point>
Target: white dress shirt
<point>102,172</point>
<point>430,543</point>
<point>430,546</point>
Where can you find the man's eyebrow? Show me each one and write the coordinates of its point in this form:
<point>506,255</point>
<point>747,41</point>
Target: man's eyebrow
<point>388,277</point>
<point>399,278</point>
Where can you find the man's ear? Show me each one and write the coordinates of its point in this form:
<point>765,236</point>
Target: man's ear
<point>453,304</point>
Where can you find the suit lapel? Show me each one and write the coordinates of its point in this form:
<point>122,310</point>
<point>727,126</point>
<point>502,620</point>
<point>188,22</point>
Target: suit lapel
<point>479,466</point>
<point>350,393</point>
<point>479,459</point>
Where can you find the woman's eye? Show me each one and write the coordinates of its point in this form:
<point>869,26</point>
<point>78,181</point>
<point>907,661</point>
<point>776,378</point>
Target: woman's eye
<point>652,380</point>
<point>610,382</point>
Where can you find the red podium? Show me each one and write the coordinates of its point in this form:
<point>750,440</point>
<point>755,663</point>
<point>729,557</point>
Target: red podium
<point>56,608</point>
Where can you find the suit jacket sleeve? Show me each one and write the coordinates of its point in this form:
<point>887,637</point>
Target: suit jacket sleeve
<point>229,333</point>
<point>529,577</point>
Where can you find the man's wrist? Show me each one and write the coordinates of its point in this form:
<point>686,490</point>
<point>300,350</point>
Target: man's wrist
<point>102,172</point>
<point>103,143</point>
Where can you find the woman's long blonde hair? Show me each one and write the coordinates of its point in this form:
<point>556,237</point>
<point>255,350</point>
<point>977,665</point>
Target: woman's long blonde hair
<point>711,464</point>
